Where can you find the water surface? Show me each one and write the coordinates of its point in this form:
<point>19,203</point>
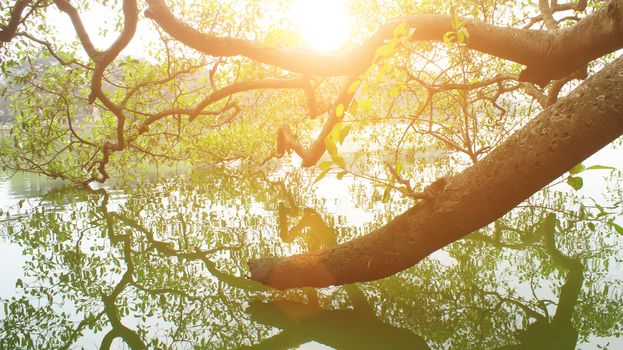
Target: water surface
<point>162,264</point>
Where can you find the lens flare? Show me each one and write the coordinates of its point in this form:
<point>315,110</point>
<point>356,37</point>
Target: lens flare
<point>325,25</point>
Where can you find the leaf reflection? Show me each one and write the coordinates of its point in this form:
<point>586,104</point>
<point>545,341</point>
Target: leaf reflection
<point>162,265</point>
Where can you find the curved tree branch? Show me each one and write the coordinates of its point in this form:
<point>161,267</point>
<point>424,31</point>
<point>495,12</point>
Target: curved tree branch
<point>81,31</point>
<point>548,55</point>
<point>8,32</point>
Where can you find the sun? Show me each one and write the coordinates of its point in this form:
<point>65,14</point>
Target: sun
<point>324,25</point>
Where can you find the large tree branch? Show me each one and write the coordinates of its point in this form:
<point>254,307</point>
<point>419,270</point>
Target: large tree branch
<point>8,32</point>
<point>548,55</point>
<point>102,59</point>
<point>560,137</point>
<point>81,31</point>
<point>130,16</point>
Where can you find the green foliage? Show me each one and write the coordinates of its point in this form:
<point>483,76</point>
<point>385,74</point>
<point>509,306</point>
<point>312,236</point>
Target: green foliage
<point>576,182</point>
<point>406,127</point>
<point>459,32</point>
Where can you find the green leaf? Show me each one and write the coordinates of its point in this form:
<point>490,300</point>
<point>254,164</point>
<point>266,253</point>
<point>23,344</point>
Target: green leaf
<point>616,227</point>
<point>393,45</point>
<point>385,50</point>
<point>575,182</point>
<point>577,169</point>
<point>387,66</point>
<point>600,167</point>
<point>341,174</point>
<point>386,194</point>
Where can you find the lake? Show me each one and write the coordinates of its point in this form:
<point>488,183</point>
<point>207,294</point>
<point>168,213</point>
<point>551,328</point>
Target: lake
<point>162,264</point>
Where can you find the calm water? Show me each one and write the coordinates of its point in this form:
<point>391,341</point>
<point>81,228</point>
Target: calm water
<point>161,264</point>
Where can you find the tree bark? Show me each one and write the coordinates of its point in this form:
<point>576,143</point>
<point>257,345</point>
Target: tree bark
<point>557,139</point>
<point>548,55</point>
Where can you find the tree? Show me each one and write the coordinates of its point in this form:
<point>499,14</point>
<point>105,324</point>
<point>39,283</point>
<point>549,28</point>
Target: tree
<point>107,111</point>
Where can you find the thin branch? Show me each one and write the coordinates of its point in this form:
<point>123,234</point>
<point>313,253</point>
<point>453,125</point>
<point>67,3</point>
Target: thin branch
<point>284,83</point>
<point>76,20</point>
<point>287,140</point>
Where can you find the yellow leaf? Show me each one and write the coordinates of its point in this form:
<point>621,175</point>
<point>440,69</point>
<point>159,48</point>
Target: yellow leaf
<point>353,108</point>
<point>321,175</point>
<point>325,165</point>
<point>460,37</point>
<point>338,160</point>
<point>394,91</point>
<point>344,132</point>
<point>400,29</point>
<point>366,105</point>
<point>464,31</point>
<point>335,132</point>
<point>455,23</point>
<point>339,110</point>
<point>354,86</point>
<point>386,194</point>
<point>330,145</point>
<point>449,37</point>
<point>387,66</point>
<point>385,50</point>
<point>399,166</point>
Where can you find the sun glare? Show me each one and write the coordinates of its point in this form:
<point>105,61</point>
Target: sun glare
<point>325,25</point>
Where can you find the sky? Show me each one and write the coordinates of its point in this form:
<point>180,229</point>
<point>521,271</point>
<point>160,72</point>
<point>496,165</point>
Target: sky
<point>325,25</point>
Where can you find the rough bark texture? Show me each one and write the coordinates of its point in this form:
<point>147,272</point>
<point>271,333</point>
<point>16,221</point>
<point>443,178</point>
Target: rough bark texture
<point>556,140</point>
<point>8,32</point>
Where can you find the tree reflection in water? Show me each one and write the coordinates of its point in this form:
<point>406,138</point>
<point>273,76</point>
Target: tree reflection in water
<point>162,265</point>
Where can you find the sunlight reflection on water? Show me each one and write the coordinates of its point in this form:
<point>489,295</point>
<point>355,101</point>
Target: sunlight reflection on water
<point>330,195</point>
